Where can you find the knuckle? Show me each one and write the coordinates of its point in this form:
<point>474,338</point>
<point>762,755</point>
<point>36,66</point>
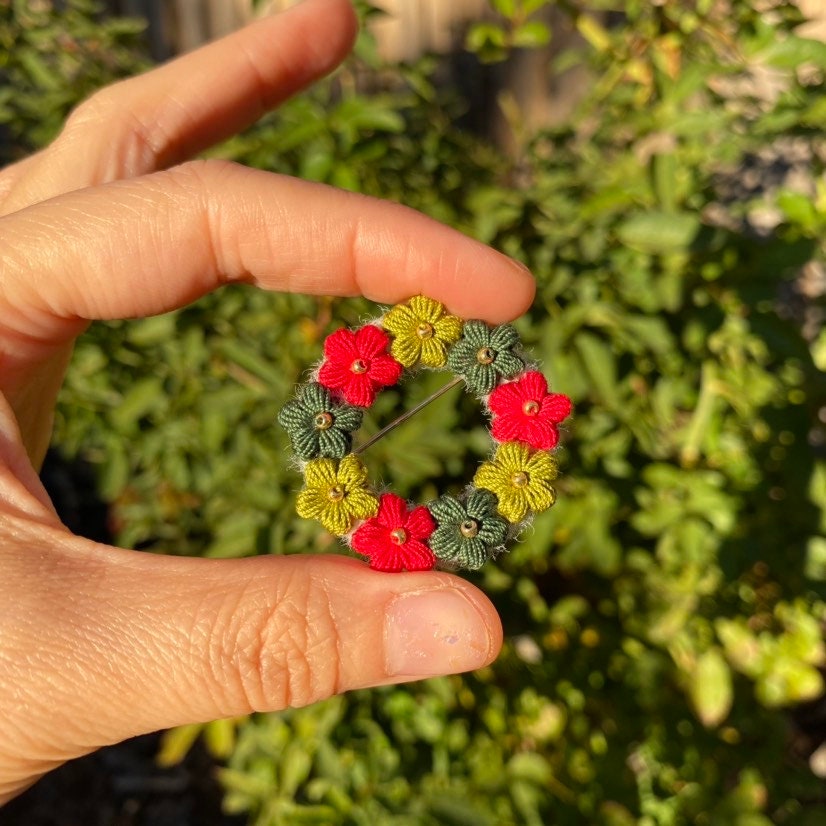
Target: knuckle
<point>214,186</point>
<point>133,145</point>
<point>89,113</point>
<point>206,181</point>
<point>205,173</point>
<point>284,651</point>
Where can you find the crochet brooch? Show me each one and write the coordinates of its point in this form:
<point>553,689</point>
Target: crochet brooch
<point>452,532</point>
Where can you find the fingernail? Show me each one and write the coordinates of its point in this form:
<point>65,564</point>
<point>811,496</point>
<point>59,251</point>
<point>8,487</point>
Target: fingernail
<point>434,632</point>
<point>520,267</point>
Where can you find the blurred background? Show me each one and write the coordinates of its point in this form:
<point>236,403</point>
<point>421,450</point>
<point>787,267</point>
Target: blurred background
<point>659,166</point>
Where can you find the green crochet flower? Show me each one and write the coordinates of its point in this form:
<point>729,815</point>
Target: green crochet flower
<point>466,533</point>
<point>483,355</point>
<point>317,425</point>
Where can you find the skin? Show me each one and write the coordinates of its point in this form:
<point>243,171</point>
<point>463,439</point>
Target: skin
<point>98,644</point>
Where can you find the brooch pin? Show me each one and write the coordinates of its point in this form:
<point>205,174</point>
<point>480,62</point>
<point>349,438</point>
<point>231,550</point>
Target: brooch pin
<point>452,532</point>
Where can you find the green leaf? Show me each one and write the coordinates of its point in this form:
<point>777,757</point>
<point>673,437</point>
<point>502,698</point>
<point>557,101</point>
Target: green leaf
<point>452,811</point>
<point>361,113</point>
<point>344,177</point>
<point>531,35</point>
<point>115,470</point>
<point>788,681</point>
<point>600,365</point>
<point>144,396</point>
<point>506,8</point>
<point>295,768</point>
<point>151,331</point>
<point>236,534</point>
<point>177,742</point>
<point>659,231</point>
<point>249,359</point>
<point>710,688</point>
<point>799,209</point>
<point>816,559</point>
<point>42,74</point>
<point>487,41</point>
<point>219,737</point>
<point>815,114</point>
<point>741,646</point>
<point>530,7</point>
<point>665,169</point>
<point>530,767</point>
<point>790,52</point>
<point>593,32</point>
<point>316,163</point>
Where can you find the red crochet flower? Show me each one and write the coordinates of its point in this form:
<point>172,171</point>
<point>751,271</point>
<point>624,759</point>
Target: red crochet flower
<point>524,411</point>
<point>357,364</point>
<point>393,539</point>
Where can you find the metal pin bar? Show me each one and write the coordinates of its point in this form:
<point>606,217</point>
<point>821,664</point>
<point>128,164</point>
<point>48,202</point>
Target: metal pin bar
<point>407,414</point>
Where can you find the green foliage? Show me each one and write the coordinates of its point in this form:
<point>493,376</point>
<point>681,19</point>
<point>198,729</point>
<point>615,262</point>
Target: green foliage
<point>492,42</point>
<point>664,615</point>
<point>52,55</point>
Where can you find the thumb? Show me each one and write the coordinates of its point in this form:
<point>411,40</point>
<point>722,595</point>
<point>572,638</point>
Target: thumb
<point>100,644</point>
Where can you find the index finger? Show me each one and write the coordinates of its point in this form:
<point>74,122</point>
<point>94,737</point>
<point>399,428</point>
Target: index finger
<point>153,244</point>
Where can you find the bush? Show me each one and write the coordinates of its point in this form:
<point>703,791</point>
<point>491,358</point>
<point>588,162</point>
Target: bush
<point>52,55</point>
<point>664,617</point>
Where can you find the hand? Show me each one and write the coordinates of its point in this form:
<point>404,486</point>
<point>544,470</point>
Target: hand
<point>98,644</point>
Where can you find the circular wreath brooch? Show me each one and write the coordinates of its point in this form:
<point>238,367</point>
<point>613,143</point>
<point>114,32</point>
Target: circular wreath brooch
<point>452,532</point>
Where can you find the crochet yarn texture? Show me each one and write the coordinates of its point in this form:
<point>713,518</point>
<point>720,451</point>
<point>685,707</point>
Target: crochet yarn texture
<point>452,532</point>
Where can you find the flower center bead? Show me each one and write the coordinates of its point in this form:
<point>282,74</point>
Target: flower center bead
<point>424,330</point>
<point>530,408</point>
<point>398,536</point>
<point>358,366</point>
<point>485,355</point>
<point>323,421</point>
<point>336,494</point>
<point>519,479</point>
<point>469,528</point>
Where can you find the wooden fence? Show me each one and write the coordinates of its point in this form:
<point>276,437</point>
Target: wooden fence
<point>410,27</point>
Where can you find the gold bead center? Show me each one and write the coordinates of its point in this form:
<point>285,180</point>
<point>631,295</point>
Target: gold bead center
<point>530,408</point>
<point>485,355</point>
<point>469,528</point>
<point>424,330</point>
<point>398,536</point>
<point>358,366</point>
<point>336,493</point>
<point>323,421</point>
<point>519,479</point>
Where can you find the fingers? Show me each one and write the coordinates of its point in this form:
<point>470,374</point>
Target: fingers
<point>171,113</point>
<point>139,247</point>
<point>148,642</point>
<point>22,492</point>
<point>11,174</point>
<point>149,245</point>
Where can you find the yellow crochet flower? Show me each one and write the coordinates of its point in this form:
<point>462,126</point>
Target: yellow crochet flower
<point>422,332</point>
<point>335,493</point>
<point>521,479</point>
